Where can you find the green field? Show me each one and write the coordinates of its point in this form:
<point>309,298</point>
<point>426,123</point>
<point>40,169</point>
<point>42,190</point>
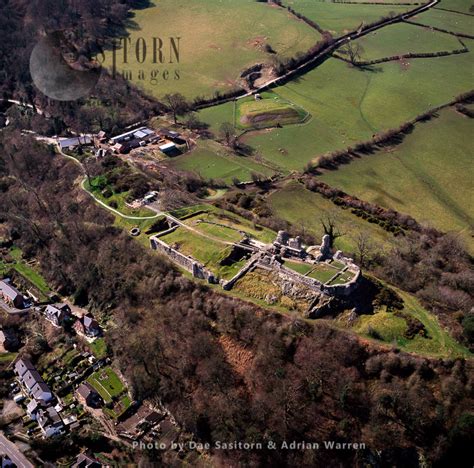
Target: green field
<point>404,38</point>
<point>270,111</point>
<point>213,161</point>
<point>464,6</point>
<point>305,210</point>
<point>391,328</point>
<point>107,383</point>
<point>219,39</point>
<point>424,176</point>
<point>340,19</point>
<point>447,20</point>
<point>346,104</point>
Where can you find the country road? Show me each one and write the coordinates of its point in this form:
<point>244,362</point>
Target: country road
<point>9,448</point>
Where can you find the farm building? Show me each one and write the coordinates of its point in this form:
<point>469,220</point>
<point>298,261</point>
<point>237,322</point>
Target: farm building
<point>169,149</point>
<point>171,135</point>
<point>133,139</point>
<point>69,143</point>
<point>140,134</point>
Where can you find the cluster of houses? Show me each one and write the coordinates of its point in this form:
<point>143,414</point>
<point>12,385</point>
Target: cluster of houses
<point>167,141</point>
<point>41,407</point>
<point>60,314</point>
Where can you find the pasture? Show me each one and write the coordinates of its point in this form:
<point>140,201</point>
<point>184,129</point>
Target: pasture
<point>213,161</point>
<point>349,104</point>
<point>447,20</point>
<point>218,39</point>
<point>340,19</point>
<point>424,176</point>
<point>305,209</point>
<point>404,38</point>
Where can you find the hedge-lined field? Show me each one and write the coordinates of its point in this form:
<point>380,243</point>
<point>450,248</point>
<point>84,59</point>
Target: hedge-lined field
<point>212,161</point>
<point>403,38</point>
<point>305,209</point>
<point>342,18</point>
<point>427,176</point>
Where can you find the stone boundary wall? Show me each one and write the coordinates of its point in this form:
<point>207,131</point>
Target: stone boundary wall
<point>253,261</point>
<point>189,264</point>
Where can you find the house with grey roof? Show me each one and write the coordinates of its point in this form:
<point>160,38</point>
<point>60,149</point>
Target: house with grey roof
<point>32,381</point>
<point>87,326</point>
<point>11,295</point>
<point>22,365</point>
<point>85,461</point>
<point>50,422</point>
<point>57,314</point>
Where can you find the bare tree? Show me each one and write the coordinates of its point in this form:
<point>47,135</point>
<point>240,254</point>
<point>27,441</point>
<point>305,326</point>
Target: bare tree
<point>364,247</point>
<point>330,222</point>
<point>353,50</point>
<point>227,132</point>
<point>177,104</point>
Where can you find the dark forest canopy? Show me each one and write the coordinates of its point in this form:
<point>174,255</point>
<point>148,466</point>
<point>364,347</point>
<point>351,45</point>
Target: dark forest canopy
<point>175,340</point>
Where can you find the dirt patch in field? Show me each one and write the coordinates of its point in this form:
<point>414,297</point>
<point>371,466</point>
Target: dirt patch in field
<point>257,42</point>
<point>237,356</point>
<point>270,118</point>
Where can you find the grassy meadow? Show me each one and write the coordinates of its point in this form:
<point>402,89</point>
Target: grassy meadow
<point>213,161</point>
<point>391,328</point>
<point>403,38</point>
<point>340,19</point>
<point>447,20</point>
<point>424,176</point>
<point>348,104</point>
<point>219,39</point>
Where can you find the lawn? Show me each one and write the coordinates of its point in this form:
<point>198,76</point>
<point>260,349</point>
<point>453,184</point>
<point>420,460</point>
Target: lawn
<point>107,384</point>
<point>206,251</point>
<point>323,272</point>
<point>424,176</point>
<point>28,272</point>
<point>340,19</point>
<point>447,20</point>
<point>212,161</point>
<point>234,221</point>
<point>218,39</point>
<point>98,348</point>
<point>305,209</point>
<point>269,111</point>
<point>299,267</point>
<point>404,38</point>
